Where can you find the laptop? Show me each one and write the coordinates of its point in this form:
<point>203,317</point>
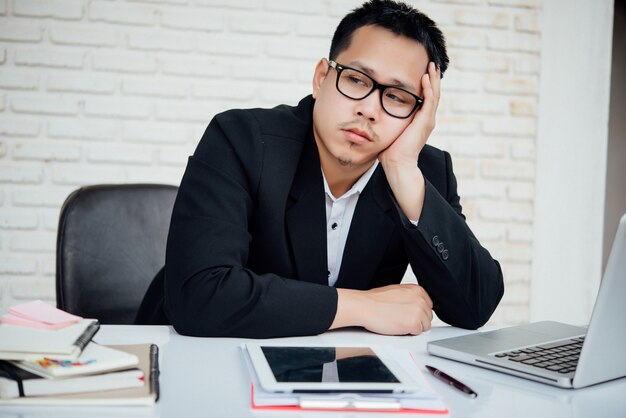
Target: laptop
<point>552,352</point>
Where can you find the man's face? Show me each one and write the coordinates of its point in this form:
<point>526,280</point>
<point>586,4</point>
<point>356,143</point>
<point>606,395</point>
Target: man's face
<point>351,133</point>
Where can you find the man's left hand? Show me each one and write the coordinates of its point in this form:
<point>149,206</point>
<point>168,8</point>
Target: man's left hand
<point>399,160</point>
<point>406,148</point>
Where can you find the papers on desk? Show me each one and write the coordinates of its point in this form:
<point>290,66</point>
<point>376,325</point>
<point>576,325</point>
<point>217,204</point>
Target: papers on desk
<point>424,401</point>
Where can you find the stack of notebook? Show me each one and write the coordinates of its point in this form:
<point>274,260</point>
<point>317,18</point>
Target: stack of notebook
<point>47,356</point>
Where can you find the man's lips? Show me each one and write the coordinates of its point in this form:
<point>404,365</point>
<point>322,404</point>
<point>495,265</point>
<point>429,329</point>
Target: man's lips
<point>357,135</point>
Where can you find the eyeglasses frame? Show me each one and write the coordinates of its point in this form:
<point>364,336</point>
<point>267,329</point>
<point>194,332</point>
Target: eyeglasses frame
<point>376,86</point>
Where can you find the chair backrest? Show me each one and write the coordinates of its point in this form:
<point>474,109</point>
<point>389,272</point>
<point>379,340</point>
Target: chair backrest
<point>110,244</point>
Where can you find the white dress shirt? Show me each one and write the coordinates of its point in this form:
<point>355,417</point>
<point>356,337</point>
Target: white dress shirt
<point>339,213</point>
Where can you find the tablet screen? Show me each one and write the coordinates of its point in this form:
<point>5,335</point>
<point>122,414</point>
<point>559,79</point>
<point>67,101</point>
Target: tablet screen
<point>327,364</point>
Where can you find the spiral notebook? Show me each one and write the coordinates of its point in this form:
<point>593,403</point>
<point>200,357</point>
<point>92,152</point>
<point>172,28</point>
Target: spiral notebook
<point>27,343</point>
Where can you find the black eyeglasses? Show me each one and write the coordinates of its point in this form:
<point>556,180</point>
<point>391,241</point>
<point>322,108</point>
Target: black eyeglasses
<point>357,85</point>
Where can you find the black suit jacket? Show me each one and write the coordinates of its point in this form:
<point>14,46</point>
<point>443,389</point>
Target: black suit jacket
<point>246,252</point>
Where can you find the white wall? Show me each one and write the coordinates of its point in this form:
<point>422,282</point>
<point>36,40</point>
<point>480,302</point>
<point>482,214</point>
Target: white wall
<point>571,158</point>
<point>97,91</point>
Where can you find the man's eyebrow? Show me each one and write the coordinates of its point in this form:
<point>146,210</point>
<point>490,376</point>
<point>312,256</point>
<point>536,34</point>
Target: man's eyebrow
<point>369,71</point>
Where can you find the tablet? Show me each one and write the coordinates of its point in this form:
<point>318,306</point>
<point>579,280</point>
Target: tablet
<point>293,369</point>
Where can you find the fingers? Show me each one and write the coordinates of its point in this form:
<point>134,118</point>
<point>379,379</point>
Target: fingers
<point>431,82</point>
<point>422,323</point>
<point>424,295</point>
<point>434,75</point>
<point>424,314</point>
<point>425,117</point>
<point>411,141</point>
<point>399,310</point>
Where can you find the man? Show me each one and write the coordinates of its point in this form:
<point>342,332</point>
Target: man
<point>296,220</point>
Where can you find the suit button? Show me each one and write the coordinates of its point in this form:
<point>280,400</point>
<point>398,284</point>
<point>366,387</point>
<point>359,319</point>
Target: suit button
<point>435,240</point>
<point>445,254</point>
<point>440,247</point>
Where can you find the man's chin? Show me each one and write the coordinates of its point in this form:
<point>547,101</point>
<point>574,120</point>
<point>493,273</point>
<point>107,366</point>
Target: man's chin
<point>352,161</point>
<point>344,162</point>
<point>352,158</point>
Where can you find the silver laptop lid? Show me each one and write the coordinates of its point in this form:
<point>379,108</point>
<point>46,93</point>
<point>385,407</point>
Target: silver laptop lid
<point>602,357</point>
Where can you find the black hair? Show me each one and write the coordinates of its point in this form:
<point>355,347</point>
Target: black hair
<point>397,17</point>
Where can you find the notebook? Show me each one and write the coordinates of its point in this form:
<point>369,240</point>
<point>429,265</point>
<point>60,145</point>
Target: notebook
<point>552,352</point>
<point>25,343</point>
<point>94,359</point>
<point>37,386</point>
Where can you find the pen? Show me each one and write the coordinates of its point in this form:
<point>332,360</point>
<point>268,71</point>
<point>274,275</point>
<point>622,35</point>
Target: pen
<point>452,381</point>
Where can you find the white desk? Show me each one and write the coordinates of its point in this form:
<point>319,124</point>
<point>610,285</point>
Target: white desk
<point>205,377</point>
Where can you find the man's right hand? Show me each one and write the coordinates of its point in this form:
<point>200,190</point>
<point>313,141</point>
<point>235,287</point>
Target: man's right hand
<point>397,309</point>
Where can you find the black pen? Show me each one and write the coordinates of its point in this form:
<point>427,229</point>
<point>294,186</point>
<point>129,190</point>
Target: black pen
<point>452,381</point>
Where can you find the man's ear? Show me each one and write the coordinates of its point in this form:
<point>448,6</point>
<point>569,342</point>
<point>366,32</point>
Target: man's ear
<point>321,70</point>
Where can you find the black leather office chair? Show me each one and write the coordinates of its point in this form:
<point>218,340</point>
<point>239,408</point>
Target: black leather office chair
<point>110,244</point>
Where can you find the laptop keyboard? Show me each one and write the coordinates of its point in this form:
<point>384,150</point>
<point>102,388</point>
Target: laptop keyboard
<point>561,356</point>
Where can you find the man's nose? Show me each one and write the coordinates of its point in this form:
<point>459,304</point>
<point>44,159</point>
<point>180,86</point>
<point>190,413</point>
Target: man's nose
<point>370,107</point>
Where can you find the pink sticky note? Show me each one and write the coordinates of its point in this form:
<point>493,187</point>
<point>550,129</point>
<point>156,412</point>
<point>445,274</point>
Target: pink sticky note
<point>42,312</point>
<point>10,319</point>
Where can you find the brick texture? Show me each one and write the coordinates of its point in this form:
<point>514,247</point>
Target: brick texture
<point>96,91</point>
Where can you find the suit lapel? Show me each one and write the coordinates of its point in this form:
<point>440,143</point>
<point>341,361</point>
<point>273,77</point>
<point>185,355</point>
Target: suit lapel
<point>306,217</point>
<point>370,231</point>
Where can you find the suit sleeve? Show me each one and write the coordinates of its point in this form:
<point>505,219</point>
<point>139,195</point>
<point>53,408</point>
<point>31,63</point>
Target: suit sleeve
<point>463,280</point>
<point>208,289</point>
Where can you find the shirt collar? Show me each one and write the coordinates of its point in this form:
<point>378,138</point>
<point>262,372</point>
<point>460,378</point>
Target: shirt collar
<point>356,187</point>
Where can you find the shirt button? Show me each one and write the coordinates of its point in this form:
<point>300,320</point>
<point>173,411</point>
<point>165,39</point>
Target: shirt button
<point>334,226</point>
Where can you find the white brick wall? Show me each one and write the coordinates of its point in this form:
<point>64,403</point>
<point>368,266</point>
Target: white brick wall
<point>120,91</point>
